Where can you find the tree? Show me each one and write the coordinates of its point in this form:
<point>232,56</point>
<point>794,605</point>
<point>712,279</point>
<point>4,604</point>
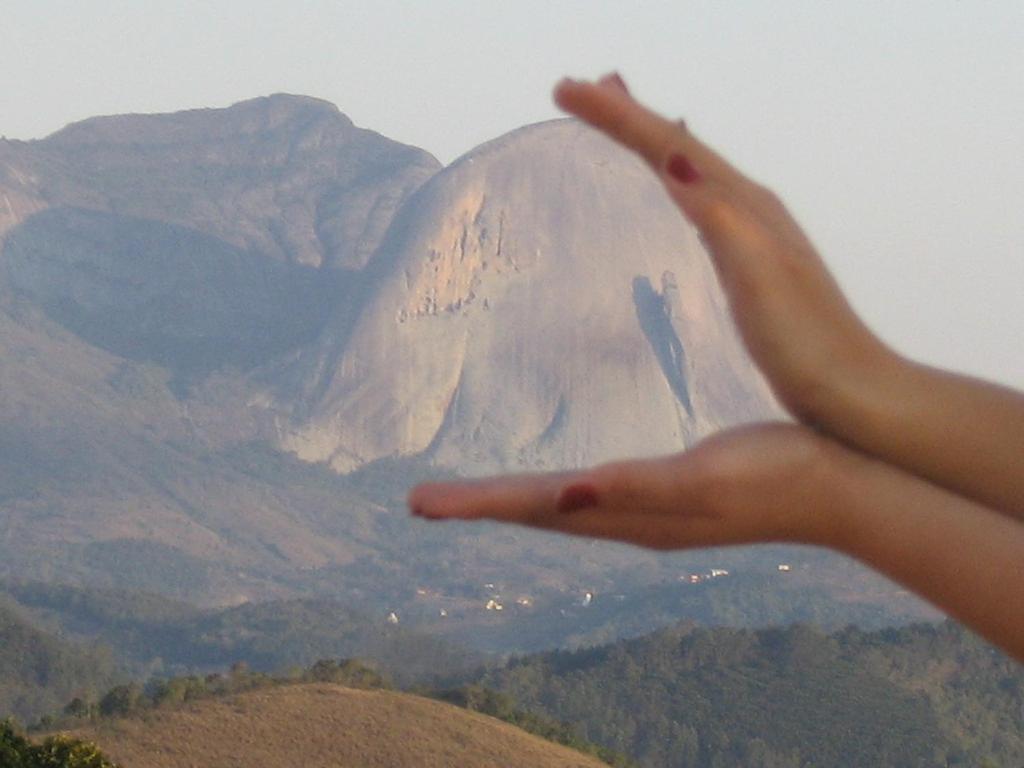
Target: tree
<point>59,751</point>
<point>13,746</point>
<point>65,752</point>
<point>121,700</point>
<point>77,707</point>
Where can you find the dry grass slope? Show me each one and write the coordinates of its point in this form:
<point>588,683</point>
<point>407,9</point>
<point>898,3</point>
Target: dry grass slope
<point>322,725</point>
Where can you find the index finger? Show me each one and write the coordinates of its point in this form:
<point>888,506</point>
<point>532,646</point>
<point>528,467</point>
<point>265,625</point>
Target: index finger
<point>655,138</point>
<point>508,498</point>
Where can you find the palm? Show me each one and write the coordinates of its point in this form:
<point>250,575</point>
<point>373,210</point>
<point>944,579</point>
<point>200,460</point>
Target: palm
<point>747,484</point>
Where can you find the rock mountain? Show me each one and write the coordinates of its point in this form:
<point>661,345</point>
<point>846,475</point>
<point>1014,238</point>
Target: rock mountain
<point>539,304</point>
<point>231,338</point>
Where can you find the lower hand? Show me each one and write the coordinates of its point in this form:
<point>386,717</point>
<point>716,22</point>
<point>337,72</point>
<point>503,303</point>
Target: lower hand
<point>764,482</point>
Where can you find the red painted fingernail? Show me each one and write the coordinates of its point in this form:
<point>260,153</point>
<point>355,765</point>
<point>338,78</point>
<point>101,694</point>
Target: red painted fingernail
<point>576,497</point>
<point>682,170</point>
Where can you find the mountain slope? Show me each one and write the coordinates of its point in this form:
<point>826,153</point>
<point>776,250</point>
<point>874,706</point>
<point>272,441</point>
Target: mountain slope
<point>150,635</point>
<point>325,725</point>
<point>201,238</point>
<point>148,261</point>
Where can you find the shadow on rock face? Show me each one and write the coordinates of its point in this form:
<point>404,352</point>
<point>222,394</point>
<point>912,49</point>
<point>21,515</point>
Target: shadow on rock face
<point>158,292</point>
<point>657,328</point>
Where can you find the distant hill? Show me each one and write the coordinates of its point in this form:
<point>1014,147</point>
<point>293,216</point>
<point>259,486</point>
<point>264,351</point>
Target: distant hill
<point>321,725</point>
<point>148,635</point>
<point>40,673</point>
<point>916,697</point>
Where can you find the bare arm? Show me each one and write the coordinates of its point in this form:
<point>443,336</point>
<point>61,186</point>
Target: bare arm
<point>776,482</point>
<point>823,363</point>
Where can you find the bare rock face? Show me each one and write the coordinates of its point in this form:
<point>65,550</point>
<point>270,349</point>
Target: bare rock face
<point>20,195</point>
<point>543,305</point>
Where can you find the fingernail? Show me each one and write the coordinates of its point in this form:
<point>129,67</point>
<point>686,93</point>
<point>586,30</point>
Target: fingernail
<point>680,169</point>
<point>576,497</point>
<point>614,78</point>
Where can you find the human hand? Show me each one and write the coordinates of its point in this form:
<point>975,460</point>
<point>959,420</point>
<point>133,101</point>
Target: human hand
<point>795,322</point>
<point>764,482</point>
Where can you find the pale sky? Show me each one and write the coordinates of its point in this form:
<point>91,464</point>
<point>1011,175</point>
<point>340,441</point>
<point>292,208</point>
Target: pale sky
<point>895,130</point>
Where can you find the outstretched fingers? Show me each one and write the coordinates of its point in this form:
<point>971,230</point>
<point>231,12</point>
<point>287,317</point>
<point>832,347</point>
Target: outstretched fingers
<point>728,209</point>
<point>608,106</point>
<point>652,503</point>
<point>507,498</point>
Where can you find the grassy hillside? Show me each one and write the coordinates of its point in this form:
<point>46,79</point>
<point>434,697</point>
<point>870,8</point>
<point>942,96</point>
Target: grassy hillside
<point>324,725</point>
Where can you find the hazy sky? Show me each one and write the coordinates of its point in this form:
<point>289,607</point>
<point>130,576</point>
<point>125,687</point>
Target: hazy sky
<point>894,129</point>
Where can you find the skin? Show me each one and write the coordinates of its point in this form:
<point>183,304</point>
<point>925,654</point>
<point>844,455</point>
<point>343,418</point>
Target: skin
<point>916,472</point>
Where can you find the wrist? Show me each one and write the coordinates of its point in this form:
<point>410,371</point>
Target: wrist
<point>858,389</point>
<point>829,498</point>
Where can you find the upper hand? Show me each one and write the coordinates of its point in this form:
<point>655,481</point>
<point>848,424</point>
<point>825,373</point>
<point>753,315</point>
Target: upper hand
<point>793,318</point>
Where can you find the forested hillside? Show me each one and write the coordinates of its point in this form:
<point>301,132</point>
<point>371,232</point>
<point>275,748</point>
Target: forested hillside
<point>40,673</point>
<point>785,698</point>
<point>151,635</point>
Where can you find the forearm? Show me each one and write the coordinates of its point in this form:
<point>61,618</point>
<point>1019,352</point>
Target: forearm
<point>961,433</point>
<point>966,559</point>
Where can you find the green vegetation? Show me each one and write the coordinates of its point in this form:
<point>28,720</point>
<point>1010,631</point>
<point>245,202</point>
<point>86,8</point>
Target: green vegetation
<point>131,699</point>
<point>38,672</point>
<point>694,698</point>
<point>500,706</point>
<point>16,751</point>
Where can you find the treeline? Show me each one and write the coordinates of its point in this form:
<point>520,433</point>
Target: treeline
<point>134,698</point>
<point>921,696</point>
